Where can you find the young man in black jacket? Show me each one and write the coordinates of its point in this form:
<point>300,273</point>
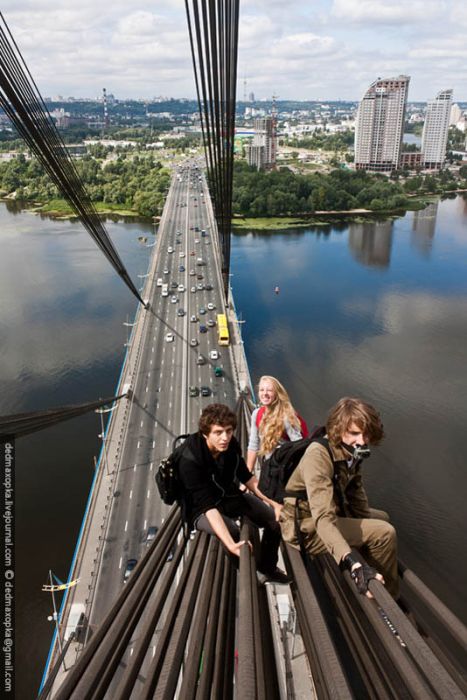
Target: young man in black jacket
<point>209,469</point>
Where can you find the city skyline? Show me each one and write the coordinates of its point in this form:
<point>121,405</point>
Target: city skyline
<point>326,50</point>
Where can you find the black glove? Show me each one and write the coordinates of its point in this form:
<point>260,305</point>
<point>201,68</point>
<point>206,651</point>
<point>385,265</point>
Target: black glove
<point>361,574</point>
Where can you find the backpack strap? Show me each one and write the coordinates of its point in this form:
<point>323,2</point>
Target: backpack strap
<point>259,415</point>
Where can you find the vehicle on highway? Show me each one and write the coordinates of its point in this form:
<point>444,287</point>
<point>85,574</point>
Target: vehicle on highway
<point>202,311</point>
<point>211,323</point>
<point>193,289</point>
<point>170,249</point>
<point>166,271</point>
<point>214,355</point>
<point>159,282</point>
<point>169,337</point>
<point>196,240</point>
<point>208,242</point>
<point>130,565</point>
<point>193,318</point>
<point>209,287</point>
<point>200,286</point>
<point>211,306</point>
<point>193,342</point>
<point>200,360</point>
<point>151,533</point>
<point>218,371</point>
<point>174,285</point>
<point>193,391</point>
<point>181,288</point>
<point>181,255</point>
<point>180,312</point>
<point>181,268</point>
<point>222,330</point>
<point>205,391</point>
<point>200,262</point>
<point>165,290</point>
<point>192,272</point>
<point>203,329</point>
<point>192,252</point>
<point>174,300</point>
<point>199,277</point>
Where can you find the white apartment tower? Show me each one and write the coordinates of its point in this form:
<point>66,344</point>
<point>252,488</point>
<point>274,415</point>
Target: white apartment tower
<point>380,124</point>
<point>435,130</point>
<point>261,152</point>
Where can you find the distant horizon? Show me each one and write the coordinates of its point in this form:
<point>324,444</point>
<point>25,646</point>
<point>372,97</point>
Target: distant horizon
<point>328,50</point>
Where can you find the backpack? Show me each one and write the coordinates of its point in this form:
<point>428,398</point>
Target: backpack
<point>279,467</point>
<point>166,475</point>
<point>303,425</point>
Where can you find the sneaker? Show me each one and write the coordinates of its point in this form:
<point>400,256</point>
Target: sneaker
<point>275,576</point>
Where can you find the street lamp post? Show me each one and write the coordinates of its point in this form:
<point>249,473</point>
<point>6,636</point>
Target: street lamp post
<point>128,325</point>
<point>101,412</point>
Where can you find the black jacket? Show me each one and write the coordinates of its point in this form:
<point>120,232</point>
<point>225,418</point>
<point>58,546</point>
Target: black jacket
<point>207,481</point>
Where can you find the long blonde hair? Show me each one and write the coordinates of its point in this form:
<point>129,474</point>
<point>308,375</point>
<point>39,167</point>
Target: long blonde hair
<point>272,424</point>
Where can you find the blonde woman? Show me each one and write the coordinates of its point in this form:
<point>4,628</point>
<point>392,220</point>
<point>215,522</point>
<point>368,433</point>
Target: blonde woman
<point>273,422</point>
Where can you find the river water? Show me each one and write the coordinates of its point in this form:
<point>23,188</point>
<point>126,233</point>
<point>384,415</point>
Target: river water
<point>377,310</point>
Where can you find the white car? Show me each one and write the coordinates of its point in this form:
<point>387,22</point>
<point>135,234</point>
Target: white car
<point>170,249</point>
<point>181,288</point>
<point>193,289</point>
<point>192,272</point>
<point>181,255</point>
<point>193,318</point>
<point>211,306</point>
<point>214,355</point>
<point>193,342</point>
<point>169,338</point>
<point>166,271</point>
<point>173,300</point>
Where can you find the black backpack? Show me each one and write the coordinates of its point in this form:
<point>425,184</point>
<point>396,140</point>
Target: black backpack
<point>277,469</point>
<point>167,473</point>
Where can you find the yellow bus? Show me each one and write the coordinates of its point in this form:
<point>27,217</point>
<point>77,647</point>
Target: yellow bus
<point>222,329</point>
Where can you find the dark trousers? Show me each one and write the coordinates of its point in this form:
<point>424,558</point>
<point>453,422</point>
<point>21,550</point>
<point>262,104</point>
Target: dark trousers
<point>260,514</point>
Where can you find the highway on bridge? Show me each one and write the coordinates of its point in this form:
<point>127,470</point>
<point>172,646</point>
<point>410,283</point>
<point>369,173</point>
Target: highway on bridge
<point>161,407</point>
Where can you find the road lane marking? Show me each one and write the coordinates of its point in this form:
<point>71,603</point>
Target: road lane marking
<point>138,445</point>
<point>134,468</point>
<point>145,524</point>
<point>120,563</point>
<point>141,423</point>
<point>151,466</point>
<point>153,444</point>
<point>131,494</point>
<point>126,525</point>
<point>148,493</point>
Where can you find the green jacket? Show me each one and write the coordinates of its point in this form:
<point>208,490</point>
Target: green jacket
<point>333,490</point>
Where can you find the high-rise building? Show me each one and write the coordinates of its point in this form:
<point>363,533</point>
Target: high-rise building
<point>261,152</point>
<point>380,124</point>
<point>435,130</point>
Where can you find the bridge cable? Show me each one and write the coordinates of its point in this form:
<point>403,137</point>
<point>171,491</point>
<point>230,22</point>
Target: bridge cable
<point>20,424</point>
<point>213,31</point>
<point>22,102</point>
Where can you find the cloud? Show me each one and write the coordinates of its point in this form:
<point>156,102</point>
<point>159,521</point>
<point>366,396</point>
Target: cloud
<point>372,12</point>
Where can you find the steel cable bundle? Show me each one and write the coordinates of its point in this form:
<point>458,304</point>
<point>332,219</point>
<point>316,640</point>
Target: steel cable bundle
<point>22,102</point>
<point>213,25</point>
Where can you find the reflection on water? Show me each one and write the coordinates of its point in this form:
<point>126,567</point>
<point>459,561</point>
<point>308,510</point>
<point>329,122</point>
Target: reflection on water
<point>423,229</point>
<point>370,242</point>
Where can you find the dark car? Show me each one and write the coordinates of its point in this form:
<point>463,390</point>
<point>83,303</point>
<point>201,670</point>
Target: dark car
<point>174,285</point>
<point>180,312</point>
<point>181,268</point>
<point>208,287</point>
<point>205,391</point>
<point>130,565</point>
<point>203,329</point>
<point>218,371</point>
<point>151,533</point>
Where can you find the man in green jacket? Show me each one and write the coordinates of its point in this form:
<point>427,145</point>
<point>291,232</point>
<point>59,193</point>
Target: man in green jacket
<point>333,510</point>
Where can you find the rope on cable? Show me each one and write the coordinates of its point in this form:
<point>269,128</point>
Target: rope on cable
<point>22,102</point>
<point>213,31</point>
<point>19,424</point>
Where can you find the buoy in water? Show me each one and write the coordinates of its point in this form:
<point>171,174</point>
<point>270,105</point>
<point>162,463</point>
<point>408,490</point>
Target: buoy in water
<point>276,290</point>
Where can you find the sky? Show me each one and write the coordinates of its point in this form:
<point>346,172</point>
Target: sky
<point>295,49</point>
